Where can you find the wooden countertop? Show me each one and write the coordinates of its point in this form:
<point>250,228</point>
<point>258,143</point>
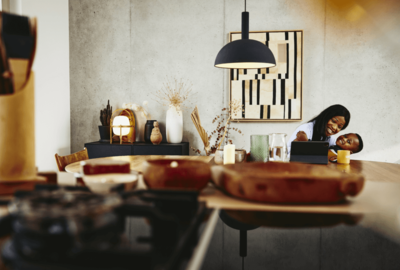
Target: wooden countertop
<point>379,201</point>
<point>372,170</point>
<point>379,176</point>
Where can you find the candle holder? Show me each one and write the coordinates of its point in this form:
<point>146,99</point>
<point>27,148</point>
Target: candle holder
<point>240,155</point>
<point>343,157</point>
<point>219,156</point>
<point>123,124</point>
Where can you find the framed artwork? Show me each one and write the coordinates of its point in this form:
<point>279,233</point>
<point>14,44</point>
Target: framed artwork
<point>271,94</point>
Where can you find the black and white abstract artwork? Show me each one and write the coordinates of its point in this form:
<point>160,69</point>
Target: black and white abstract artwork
<point>271,94</point>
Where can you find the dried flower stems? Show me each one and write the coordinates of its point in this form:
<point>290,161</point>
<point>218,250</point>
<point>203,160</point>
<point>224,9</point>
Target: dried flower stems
<point>144,112</point>
<point>137,108</point>
<point>223,136</point>
<point>203,134</point>
<point>234,108</point>
<point>173,93</point>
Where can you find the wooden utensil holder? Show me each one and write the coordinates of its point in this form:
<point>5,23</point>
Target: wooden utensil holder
<point>17,136</point>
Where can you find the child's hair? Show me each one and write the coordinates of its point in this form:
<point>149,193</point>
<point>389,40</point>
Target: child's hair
<point>323,118</point>
<point>361,144</point>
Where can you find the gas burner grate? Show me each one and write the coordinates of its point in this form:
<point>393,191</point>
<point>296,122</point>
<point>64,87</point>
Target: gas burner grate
<point>89,231</point>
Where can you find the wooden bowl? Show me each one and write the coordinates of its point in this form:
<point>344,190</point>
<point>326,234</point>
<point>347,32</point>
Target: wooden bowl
<point>288,183</point>
<point>176,174</point>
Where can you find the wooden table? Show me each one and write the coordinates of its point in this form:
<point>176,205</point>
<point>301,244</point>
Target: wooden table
<point>135,161</point>
<point>379,176</point>
<point>372,170</point>
<point>378,203</point>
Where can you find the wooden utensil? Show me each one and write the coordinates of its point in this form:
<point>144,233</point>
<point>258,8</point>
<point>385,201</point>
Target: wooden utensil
<point>203,134</point>
<point>287,183</point>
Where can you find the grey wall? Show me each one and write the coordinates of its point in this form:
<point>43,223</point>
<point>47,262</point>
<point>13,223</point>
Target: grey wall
<point>122,50</point>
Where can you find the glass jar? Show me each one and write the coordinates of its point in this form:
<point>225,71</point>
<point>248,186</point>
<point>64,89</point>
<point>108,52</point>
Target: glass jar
<point>278,147</point>
<point>259,148</point>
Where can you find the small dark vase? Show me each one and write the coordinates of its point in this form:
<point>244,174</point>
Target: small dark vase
<point>147,130</point>
<point>104,134</point>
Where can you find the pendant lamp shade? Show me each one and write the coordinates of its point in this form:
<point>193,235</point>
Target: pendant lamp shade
<point>245,53</point>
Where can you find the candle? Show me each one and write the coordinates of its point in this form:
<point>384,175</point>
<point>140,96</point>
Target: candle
<point>343,156</point>
<point>229,154</point>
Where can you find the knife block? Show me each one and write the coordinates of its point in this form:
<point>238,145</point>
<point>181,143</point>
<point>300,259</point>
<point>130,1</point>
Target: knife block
<point>17,138</point>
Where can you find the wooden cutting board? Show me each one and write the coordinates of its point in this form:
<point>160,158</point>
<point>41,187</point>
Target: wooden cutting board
<point>287,183</point>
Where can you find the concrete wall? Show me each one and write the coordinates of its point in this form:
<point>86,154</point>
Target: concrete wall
<point>51,66</point>
<point>122,50</point>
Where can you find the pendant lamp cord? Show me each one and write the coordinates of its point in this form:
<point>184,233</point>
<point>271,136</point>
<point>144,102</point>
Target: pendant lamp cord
<point>244,5</point>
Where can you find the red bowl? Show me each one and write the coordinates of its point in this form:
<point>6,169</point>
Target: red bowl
<point>176,174</point>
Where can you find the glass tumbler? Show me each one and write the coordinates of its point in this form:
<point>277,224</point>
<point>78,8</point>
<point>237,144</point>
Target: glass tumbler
<point>278,147</point>
<point>259,148</point>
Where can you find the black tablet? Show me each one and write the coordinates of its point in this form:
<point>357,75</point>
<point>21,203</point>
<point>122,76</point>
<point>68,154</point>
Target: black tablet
<point>309,152</point>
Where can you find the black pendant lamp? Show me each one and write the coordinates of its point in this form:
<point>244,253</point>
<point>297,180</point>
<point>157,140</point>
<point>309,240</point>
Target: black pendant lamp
<point>245,53</point>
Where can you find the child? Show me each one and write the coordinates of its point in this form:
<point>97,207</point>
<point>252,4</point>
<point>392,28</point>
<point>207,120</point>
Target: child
<point>350,141</point>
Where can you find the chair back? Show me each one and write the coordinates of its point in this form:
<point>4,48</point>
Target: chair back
<point>63,161</point>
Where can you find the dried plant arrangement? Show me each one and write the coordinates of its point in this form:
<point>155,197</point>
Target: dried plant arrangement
<point>173,93</point>
<point>235,107</point>
<point>223,129</point>
<point>105,115</point>
<point>137,108</point>
<point>203,134</point>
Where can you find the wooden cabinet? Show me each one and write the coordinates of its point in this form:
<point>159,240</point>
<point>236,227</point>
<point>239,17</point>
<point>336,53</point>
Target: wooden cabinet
<point>100,149</point>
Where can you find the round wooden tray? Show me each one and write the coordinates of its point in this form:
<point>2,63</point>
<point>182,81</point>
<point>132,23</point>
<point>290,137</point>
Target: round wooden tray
<point>287,183</point>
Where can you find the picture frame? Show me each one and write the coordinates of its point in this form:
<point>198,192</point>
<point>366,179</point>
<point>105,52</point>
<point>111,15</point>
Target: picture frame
<point>271,94</point>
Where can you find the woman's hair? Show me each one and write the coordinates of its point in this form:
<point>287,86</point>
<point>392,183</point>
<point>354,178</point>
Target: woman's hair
<point>323,118</point>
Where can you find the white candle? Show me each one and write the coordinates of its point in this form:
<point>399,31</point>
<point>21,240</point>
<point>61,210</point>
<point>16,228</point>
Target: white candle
<point>229,154</point>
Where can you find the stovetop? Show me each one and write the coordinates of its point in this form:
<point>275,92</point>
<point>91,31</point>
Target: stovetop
<point>58,228</point>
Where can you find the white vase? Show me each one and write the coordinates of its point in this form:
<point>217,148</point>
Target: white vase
<point>174,125</point>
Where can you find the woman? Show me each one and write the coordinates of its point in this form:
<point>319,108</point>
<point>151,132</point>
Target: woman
<point>321,128</point>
